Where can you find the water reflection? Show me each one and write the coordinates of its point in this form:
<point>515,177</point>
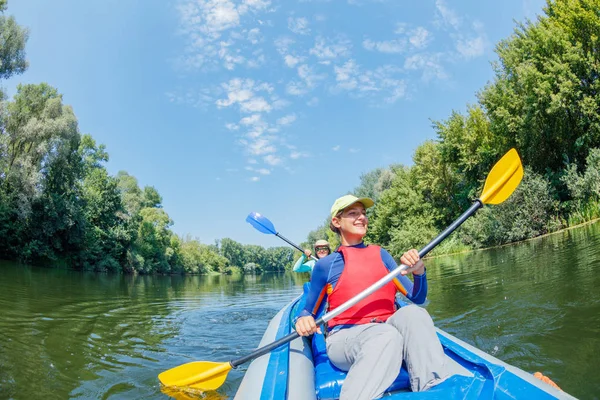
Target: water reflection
<point>535,304</point>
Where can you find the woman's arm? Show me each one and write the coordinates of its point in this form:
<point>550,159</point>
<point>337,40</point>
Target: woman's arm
<point>417,291</point>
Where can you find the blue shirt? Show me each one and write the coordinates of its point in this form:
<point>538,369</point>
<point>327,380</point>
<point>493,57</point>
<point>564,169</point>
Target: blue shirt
<point>328,270</point>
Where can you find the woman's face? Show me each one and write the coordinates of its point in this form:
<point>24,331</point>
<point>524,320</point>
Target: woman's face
<point>353,222</point>
<point>322,251</point>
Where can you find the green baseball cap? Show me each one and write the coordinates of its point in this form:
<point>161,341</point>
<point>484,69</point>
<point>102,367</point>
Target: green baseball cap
<point>348,200</point>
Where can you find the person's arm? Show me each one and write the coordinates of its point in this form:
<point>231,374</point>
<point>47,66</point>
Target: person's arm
<point>305,321</point>
<point>304,265</point>
<point>415,292</point>
<point>299,265</point>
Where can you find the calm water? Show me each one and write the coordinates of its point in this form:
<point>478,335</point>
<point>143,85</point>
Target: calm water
<point>66,334</point>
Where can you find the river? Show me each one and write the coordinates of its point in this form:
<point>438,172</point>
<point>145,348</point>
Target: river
<point>68,334</point>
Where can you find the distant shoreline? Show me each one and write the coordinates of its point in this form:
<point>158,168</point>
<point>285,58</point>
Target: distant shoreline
<point>520,241</point>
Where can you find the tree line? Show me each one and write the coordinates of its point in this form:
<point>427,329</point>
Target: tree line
<point>60,206</point>
<point>544,101</point>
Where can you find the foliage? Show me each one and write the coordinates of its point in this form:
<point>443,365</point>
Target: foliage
<point>12,46</point>
<point>59,203</point>
<point>530,211</point>
<point>545,97</point>
<point>402,219</point>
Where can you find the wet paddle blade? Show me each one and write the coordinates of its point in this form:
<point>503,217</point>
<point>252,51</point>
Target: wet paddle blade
<point>503,179</point>
<point>262,224</point>
<point>202,375</point>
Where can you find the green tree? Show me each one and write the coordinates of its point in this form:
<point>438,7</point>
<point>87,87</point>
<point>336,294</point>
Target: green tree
<point>402,219</point>
<point>12,45</point>
<point>133,198</point>
<point>546,94</point>
<point>39,172</point>
<point>232,251</point>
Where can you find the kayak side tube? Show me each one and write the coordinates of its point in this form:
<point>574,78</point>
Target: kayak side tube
<point>286,372</point>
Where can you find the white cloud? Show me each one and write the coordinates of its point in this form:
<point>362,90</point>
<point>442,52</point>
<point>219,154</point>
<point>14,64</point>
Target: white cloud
<point>291,61</point>
<point>272,160</point>
<point>288,119</point>
<point>346,75</point>
<point>204,22</point>
<point>386,46</point>
<point>254,36</point>
<point>420,37</point>
<point>309,76</point>
<point>298,25</point>
<point>251,120</point>
<point>335,148</point>
<point>296,88</point>
<point>232,127</point>
<point>261,171</point>
<point>446,15</point>
<point>381,81</point>
<point>260,146</point>
<point>294,155</point>
<point>324,49</point>
<point>473,46</point>
<point>353,150</point>
<point>257,104</point>
<point>429,64</point>
<point>243,92</point>
<point>283,44</point>
<point>254,179</point>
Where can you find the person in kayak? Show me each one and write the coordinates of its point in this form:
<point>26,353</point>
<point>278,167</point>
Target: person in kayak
<point>372,338</point>
<point>305,263</point>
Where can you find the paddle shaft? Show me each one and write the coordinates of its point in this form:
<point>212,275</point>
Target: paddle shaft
<point>365,293</point>
<point>294,245</point>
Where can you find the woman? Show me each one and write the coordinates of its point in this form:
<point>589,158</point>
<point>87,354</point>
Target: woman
<point>305,263</point>
<point>372,338</point>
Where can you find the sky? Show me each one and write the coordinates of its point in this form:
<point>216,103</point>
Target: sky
<point>233,106</point>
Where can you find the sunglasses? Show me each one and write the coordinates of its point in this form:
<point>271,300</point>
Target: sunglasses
<point>318,249</point>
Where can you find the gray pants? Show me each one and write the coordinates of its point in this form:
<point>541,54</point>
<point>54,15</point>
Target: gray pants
<point>373,353</point>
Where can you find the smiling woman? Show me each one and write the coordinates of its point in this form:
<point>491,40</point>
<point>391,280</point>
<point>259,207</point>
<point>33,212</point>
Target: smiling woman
<point>305,264</point>
<point>365,339</point>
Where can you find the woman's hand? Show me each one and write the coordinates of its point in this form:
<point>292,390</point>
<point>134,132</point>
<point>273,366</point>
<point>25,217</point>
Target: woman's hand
<point>307,253</point>
<point>306,326</point>
<point>414,263</point>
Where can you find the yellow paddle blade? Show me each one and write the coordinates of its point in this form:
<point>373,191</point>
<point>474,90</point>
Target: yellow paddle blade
<point>203,375</point>
<point>503,179</point>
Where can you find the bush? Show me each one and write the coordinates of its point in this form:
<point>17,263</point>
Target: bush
<point>252,268</point>
<point>531,211</point>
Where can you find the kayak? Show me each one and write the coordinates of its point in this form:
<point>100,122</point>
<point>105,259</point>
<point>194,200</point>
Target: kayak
<point>301,370</point>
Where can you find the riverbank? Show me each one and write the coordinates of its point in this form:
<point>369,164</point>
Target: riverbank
<point>515,243</point>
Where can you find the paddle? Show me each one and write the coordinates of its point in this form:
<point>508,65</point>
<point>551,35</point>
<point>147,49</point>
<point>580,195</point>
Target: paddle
<point>262,224</point>
<point>501,182</point>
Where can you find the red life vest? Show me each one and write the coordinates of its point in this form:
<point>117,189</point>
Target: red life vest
<point>362,268</point>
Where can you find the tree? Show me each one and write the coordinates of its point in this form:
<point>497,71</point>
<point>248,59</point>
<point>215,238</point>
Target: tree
<point>133,197</point>
<point>12,45</point>
<point>39,170</point>
<point>402,219</point>
<point>546,93</point>
<point>232,251</point>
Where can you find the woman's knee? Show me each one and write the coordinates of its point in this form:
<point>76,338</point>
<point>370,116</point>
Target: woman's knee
<point>384,338</point>
<point>411,315</point>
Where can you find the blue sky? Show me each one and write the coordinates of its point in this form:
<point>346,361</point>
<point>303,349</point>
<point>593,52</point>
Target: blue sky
<point>233,106</point>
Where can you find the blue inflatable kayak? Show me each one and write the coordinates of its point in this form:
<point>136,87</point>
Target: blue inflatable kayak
<point>301,370</point>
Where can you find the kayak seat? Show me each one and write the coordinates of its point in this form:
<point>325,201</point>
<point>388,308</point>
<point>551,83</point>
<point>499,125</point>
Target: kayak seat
<point>328,378</point>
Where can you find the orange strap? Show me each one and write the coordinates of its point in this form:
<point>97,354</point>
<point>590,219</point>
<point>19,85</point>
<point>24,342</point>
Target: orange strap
<point>549,381</point>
